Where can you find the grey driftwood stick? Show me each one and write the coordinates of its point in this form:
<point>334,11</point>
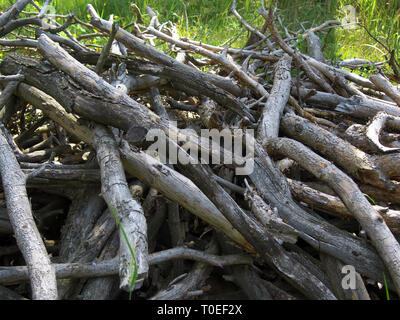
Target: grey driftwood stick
<point>273,108</point>
<point>13,275</point>
<point>116,193</point>
<point>317,232</point>
<point>355,162</point>
<point>13,12</point>
<point>41,272</point>
<point>85,231</point>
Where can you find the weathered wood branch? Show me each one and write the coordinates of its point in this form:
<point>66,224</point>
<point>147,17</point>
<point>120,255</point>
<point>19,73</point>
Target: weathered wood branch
<point>355,106</point>
<point>13,12</point>
<point>116,193</point>
<point>333,205</point>
<point>355,162</point>
<point>374,129</point>
<point>370,220</point>
<point>259,237</point>
<point>384,85</point>
<point>318,233</point>
<point>41,272</point>
<point>273,109</point>
<point>144,167</point>
<point>110,267</point>
<point>296,56</point>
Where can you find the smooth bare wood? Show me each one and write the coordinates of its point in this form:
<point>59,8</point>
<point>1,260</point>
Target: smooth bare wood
<point>374,129</point>
<point>314,46</point>
<point>356,135</point>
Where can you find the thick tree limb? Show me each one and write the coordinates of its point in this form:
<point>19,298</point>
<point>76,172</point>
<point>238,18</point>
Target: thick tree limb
<point>314,46</point>
<point>141,165</point>
<point>355,106</point>
<point>110,267</point>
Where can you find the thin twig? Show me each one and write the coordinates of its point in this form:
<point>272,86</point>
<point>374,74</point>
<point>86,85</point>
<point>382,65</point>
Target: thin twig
<point>106,50</point>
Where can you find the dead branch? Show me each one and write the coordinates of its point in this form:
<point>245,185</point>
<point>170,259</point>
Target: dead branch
<point>384,85</point>
<point>41,273</point>
<point>355,201</point>
<point>273,109</point>
<point>78,123</point>
<point>119,199</point>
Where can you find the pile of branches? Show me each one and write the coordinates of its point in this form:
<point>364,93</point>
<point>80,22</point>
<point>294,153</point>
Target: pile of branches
<point>88,213</point>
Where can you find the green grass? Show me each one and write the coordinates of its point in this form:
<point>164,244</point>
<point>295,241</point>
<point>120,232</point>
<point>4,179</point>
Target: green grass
<point>386,287</point>
<point>211,21</point>
<point>382,19</point>
<point>132,265</point>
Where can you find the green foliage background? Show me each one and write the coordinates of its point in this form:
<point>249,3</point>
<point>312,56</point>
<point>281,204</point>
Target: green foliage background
<point>211,21</point>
